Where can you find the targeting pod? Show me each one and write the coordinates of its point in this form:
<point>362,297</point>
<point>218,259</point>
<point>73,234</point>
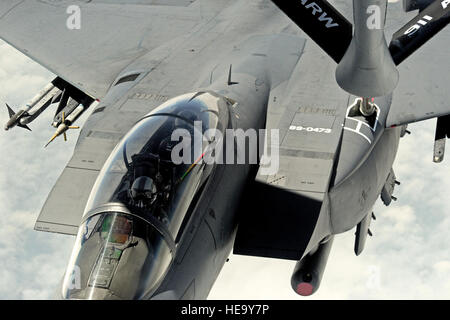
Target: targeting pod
<point>308,271</point>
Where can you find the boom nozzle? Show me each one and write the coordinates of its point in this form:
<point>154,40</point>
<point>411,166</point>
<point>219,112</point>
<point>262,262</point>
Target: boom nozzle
<point>366,107</point>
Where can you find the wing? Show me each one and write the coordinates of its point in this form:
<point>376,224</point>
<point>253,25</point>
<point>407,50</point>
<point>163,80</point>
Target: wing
<point>91,58</point>
<point>65,204</point>
<point>422,92</point>
<point>81,43</point>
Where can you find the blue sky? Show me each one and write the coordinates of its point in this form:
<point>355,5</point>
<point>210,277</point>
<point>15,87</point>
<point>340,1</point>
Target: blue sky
<point>408,257</point>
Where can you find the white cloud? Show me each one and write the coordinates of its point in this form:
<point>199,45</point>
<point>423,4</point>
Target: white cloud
<point>442,267</point>
<point>401,219</point>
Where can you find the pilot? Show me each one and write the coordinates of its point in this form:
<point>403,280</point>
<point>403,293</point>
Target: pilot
<point>152,182</point>
<point>143,191</point>
<point>145,195</point>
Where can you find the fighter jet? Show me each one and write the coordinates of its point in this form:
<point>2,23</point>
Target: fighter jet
<point>257,127</point>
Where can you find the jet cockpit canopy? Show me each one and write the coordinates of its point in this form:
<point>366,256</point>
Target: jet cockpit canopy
<point>142,199</point>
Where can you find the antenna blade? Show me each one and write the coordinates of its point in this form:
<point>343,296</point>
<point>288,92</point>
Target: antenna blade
<point>230,83</point>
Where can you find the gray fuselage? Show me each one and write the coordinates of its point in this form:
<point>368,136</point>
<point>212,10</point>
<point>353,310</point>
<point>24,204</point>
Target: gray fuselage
<point>277,76</point>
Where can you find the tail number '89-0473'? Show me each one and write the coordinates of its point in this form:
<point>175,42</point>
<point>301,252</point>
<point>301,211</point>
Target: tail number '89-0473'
<point>310,129</point>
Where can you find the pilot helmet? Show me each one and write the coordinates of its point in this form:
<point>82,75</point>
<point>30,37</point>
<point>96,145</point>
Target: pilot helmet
<point>143,188</point>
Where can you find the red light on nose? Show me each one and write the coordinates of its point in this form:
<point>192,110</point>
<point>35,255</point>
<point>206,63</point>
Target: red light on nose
<point>305,289</point>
